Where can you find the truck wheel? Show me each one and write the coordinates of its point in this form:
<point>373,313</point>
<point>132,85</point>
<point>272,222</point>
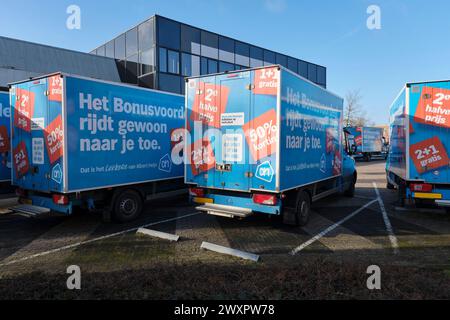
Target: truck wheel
<point>350,192</point>
<point>390,186</point>
<point>128,206</point>
<point>303,209</point>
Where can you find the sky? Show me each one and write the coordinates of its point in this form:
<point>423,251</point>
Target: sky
<point>412,44</point>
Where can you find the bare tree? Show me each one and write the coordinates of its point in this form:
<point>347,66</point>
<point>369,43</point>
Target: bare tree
<point>354,115</point>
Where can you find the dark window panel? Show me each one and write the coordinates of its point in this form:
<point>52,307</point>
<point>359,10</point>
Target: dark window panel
<point>146,35</point>
<point>282,59</point>
<point>322,75</point>
<point>169,33</point>
<point>203,66</point>
<point>169,83</point>
<point>132,69</point>
<point>210,45</point>
<point>242,51</point>
<point>119,44</point>
<point>226,49</point>
<point>121,67</point>
<point>162,60</point>
<point>212,66</point>
<point>132,42</point>
<point>256,57</point>
<point>147,61</point>
<point>147,81</point>
<point>312,72</point>
<point>173,62</point>
<point>225,66</point>
<point>110,49</point>
<point>269,58</point>
<point>303,68</point>
<point>293,64</point>
<point>190,39</point>
<point>190,65</point>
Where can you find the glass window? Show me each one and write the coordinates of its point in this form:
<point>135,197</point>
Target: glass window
<point>256,57</point>
<point>147,61</point>
<point>226,49</point>
<point>190,39</point>
<point>203,66</point>
<point>210,45</point>
<point>312,72</point>
<point>147,81</point>
<point>110,49</point>
<point>293,64</point>
<point>132,42</point>
<point>303,68</point>
<point>146,38</point>
<point>242,54</point>
<point>212,66</point>
<point>162,60</point>
<point>132,69</point>
<point>168,33</point>
<point>122,70</point>
<point>322,75</point>
<point>169,83</point>
<point>190,65</point>
<point>173,62</point>
<point>282,59</point>
<point>225,66</point>
<point>101,51</point>
<point>269,58</point>
<point>119,44</point>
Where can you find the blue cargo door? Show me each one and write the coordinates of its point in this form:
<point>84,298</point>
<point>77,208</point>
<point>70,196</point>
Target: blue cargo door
<point>233,161</point>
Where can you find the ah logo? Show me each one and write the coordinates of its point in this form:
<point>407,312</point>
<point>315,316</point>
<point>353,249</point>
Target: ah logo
<point>57,174</point>
<point>165,164</point>
<point>323,163</point>
<point>265,172</point>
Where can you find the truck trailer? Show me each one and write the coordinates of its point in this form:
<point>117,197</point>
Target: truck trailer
<point>264,140</point>
<point>366,142</point>
<point>5,150</point>
<point>418,162</point>
<point>101,146</point>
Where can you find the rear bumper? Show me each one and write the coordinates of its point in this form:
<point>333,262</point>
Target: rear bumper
<point>47,202</point>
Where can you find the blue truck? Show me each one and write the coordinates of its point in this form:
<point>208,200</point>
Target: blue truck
<point>366,142</point>
<point>102,146</point>
<point>418,162</point>
<point>5,150</point>
<point>264,140</point>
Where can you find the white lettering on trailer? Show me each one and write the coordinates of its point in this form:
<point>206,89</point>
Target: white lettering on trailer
<point>37,146</point>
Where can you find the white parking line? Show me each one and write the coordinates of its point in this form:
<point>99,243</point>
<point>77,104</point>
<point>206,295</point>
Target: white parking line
<point>229,251</point>
<point>387,222</point>
<point>75,245</point>
<point>158,234</point>
<point>331,228</point>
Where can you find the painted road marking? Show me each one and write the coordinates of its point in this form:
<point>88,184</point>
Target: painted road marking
<point>331,228</point>
<point>75,245</point>
<point>231,252</point>
<point>158,234</point>
<point>387,222</point>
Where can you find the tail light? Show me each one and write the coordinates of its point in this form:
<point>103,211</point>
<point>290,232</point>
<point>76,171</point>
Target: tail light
<point>197,192</point>
<point>60,199</point>
<point>266,199</point>
<point>421,187</point>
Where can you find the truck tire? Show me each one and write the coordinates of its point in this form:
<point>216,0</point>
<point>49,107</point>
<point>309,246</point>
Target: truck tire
<point>127,206</point>
<point>390,186</point>
<point>303,209</point>
<point>350,192</point>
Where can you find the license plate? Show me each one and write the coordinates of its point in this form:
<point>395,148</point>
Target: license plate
<point>203,200</point>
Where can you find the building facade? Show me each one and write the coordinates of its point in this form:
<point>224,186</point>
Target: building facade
<point>160,52</point>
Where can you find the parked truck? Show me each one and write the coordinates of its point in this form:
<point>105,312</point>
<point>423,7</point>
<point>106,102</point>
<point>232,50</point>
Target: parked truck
<point>418,162</point>
<point>5,154</point>
<point>366,142</point>
<point>264,140</point>
<point>79,142</point>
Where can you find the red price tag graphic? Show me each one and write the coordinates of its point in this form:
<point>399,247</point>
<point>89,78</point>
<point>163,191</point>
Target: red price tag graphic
<point>337,163</point>
<point>4,139</point>
<point>209,103</point>
<point>429,155</point>
<point>202,157</point>
<point>434,107</point>
<point>262,135</point>
<point>20,158</point>
<point>266,81</point>
<point>54,139</point>
<point>24,109</point>
<point>55,88</point>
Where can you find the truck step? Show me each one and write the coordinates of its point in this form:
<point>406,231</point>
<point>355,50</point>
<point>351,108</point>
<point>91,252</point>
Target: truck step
<point>225,211</point>
<point>29,210</point>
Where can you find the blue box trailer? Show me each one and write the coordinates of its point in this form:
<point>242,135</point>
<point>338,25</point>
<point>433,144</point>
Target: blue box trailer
<point>5,149</point>
<point>99,145</point>
<point>418,165</point>
<point>366,142</point>
<point>264,140</point>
